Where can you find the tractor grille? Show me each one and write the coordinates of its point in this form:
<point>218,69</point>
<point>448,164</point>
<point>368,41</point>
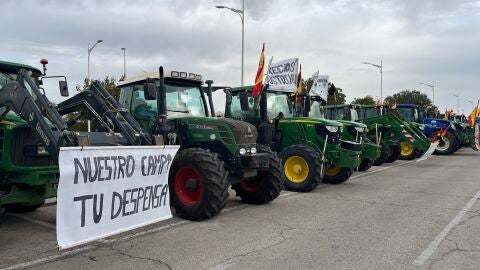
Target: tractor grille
<point>301,132</point>
<point>353,146</point>
<point>24,150</point>
<point>243,132</point>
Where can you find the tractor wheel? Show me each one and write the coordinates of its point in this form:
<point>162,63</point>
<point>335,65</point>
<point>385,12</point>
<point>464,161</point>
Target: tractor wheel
<point>266,186</point>
<point>22,208</point>
<point>394,153</point>
<point>407,151</point>
<point>366,164</point>
<point>302,167</point>
<point>337,175</point>
<point>384,154</point>
<point>198,184</point>
<point>447,145</point>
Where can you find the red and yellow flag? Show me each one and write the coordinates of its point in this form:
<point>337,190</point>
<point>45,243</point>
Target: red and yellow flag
<point>257,89</point>
<point>473,115</point>
<point>299,82</point>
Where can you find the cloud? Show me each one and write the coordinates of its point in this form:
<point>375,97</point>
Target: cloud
<point>417,40</point>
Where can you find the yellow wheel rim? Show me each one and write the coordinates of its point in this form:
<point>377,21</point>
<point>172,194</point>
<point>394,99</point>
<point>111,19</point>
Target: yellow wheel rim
<point>333,171</point>
<point>406,149</point>
<point>296,169</point>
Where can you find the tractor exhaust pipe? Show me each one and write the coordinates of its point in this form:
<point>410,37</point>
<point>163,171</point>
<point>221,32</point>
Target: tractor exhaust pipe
<point>209,94</point>
<point>264,129</point>
<point>228,103</point>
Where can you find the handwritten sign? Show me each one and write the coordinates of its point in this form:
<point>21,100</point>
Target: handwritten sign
<point>282,75</point>
<point>108,190</point>
<point>319,86</point>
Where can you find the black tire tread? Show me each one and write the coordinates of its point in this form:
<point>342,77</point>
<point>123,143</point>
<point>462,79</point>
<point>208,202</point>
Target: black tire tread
<point>216,183</point>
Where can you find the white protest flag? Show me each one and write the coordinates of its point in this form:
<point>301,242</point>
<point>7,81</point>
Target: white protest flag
<point>319,86</point>
<point>282,75</point>
<point>108,190</point>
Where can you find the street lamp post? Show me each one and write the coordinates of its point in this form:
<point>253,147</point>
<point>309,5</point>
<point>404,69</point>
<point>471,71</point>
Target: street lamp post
<point>380,67</point>
<point>240,13</point>
<point>433,90</point>
<point>458,101</point>
<point>88,57</point>
<point>124,64</point>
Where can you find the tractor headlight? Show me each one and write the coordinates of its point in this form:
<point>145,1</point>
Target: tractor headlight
<point>421,127</point>
<point>360,129</point>
<point>41,151</point>
<point>332,128</point>
<point>242,151</point>
<point>253,150</point>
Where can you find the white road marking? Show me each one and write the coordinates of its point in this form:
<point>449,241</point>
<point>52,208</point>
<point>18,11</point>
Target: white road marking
<point>381,169</point>
<point>32,220</point>
<point>420,260</point>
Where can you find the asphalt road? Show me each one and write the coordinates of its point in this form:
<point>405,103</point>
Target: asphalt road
<point>405,215</point>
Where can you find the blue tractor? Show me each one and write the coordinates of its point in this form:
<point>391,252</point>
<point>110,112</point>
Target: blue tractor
<point>452,135</point>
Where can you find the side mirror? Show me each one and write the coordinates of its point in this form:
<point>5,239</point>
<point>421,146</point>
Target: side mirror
<point>243,101</point>
<point>63,88</point>
<point>150,91</point>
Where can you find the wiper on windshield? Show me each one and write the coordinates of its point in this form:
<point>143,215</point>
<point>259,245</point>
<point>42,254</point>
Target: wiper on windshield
<point>180,111</point>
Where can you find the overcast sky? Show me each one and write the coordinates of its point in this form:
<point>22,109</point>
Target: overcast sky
<point>418,40</point>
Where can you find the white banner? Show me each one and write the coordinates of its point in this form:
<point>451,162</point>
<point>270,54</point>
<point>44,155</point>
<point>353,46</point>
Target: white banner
<point>476,136</point>
<point>429,152</point>
<point>282,75</point>
<point>108,190</point>
<point>319,86</point>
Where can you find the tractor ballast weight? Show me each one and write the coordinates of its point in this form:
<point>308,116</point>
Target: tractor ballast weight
<point>214,153</point>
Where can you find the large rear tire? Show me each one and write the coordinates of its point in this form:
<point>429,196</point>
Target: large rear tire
<point>366,164</point>
<point>198,184</point>
<point>266,186</point>
<point>337,175</point>
<point>302,167</point>
<point>447,145</point>
<point>384,154</point>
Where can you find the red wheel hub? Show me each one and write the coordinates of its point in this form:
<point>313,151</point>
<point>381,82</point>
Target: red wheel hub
<point>188,186</point>
<point>253,185</point>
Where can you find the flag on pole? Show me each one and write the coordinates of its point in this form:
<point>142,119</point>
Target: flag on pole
<point>473,115</point>
<point>259,78</point>
<point>299,82</point>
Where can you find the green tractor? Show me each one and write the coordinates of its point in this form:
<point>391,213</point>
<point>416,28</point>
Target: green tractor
<point>413,143</point>
<point>352,131</point>
<point>311,149</point>
<point>29,174</point>
<point>214,154</point>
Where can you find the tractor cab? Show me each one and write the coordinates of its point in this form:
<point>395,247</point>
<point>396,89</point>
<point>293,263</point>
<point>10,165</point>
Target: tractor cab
<point>410,112</point>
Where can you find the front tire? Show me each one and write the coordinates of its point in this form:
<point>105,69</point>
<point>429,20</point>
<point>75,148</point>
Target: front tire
<point>384,154</point>
<point>266,186</point>
<point>302,167</point>
<point>394,153</point>
<point>407,151</point>
<point>447,145</point>
<point>198,184</point>
<point>366,164</point>
<point>337,175</point>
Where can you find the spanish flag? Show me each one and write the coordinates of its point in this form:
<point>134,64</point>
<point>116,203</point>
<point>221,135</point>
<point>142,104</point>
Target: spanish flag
<point>299,82</point>
<point>473,115</point>
<point>257,89</point>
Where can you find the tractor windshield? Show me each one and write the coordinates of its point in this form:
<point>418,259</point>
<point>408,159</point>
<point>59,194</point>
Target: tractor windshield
<point>409,113</point>
<point>278,102</point>
<point>182,100</point>
<point>317,111</point>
